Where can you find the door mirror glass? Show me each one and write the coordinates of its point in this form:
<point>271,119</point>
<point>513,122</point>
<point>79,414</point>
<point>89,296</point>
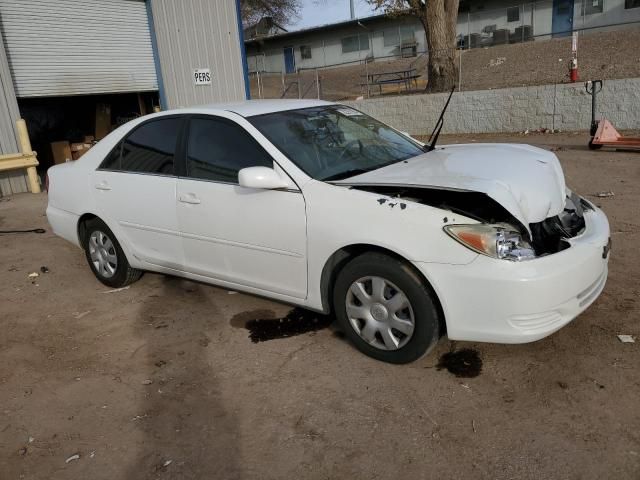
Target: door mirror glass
<point>261,177</point>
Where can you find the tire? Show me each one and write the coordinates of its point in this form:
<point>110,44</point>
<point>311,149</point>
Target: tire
<point>358,319</point>
<point>114,270</point>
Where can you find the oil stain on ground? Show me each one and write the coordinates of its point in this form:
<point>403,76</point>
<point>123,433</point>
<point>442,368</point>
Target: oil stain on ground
<point>465,363</point>
<point>262,326</point>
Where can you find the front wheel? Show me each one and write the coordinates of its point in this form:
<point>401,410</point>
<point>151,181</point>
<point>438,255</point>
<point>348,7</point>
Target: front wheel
<point>105,256</point>
<point>386,309</point>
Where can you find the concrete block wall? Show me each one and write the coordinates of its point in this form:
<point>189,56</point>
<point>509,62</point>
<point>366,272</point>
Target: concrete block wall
<point>565,107</point>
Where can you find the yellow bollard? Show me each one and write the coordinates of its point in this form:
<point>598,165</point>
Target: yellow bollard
<point>25,148</point>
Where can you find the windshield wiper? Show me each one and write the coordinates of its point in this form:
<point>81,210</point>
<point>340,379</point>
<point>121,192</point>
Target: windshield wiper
<point>345,174</point>
<point>436,131</point>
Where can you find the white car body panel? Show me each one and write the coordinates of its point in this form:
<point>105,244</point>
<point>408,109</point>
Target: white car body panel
<point>526,180</point>
<point>277,243</point>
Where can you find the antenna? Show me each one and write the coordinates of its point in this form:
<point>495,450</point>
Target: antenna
<point>433,139</point>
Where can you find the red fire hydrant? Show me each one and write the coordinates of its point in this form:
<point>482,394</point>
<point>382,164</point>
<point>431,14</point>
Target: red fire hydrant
<point>573,70</point>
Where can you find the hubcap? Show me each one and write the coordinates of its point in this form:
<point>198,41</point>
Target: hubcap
<point>380,313</point>
<point>103,254</point>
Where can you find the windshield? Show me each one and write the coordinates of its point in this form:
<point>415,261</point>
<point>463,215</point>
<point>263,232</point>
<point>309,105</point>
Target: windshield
<point>334,142</point>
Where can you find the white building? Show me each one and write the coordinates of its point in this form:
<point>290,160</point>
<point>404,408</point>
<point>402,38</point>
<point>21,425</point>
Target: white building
<point>480,23</point>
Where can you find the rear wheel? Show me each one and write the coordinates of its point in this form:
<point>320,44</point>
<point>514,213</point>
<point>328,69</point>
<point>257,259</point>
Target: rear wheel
<point>386,309</point>
<point>105,256</point>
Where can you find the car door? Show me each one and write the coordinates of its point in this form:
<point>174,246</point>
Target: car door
<point>135,192</point>
<point>252,237</point>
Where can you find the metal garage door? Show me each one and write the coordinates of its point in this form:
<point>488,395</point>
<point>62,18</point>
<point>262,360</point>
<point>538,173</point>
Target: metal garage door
<point>74,47</point>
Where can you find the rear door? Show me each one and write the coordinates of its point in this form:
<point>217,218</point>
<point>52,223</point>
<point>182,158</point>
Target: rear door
<point>135,191</point>
<point>247,236</point>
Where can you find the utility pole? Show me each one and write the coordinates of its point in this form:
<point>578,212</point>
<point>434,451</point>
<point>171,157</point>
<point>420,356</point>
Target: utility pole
<point>353,9</point>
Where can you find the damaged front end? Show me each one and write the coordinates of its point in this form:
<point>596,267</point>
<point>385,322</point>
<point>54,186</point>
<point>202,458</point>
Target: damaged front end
<point>499,234</point>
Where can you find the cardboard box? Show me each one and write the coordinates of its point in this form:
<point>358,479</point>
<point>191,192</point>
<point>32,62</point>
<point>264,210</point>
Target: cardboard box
<point>61,152</point>
<point>79,149</point>
<point>103,120</point>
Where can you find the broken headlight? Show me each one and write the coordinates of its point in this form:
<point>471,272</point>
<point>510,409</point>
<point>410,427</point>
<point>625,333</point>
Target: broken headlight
<point>497,241</point>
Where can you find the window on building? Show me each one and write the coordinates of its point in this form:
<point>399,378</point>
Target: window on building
<point>631,3</point>
<point>355,43</point>
<point>305,52</point>
<point>151,147</point>
<point>592,6</point>
<point>513,14</point>
<point>407,35</point>
<point>391,37</point>
<point>217,150</point>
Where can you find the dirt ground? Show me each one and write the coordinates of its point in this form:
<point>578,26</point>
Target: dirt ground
<point>601,55</point>
<point>161,380</point>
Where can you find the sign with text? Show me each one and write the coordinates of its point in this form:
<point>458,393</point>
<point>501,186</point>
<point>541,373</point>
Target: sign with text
<point>202,76</point>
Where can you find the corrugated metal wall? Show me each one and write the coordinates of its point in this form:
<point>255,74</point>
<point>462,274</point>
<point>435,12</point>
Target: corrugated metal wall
<point>193,34</point>
<point>12,181</point>
<point>75,47</point>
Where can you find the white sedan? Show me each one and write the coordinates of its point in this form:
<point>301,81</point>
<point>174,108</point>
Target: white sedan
<point>318,205</point>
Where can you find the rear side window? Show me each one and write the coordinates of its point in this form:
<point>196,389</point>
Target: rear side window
<point>150,148</point>
<point>217,150</point>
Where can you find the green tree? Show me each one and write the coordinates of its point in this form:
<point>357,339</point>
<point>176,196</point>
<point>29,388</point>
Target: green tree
<point>281,11</point>
<point>439,19</point>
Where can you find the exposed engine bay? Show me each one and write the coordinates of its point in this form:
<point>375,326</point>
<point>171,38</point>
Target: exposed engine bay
<point>547,237</point>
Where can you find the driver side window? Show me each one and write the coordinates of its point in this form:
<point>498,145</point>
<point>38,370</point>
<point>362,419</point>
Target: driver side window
<point>218,149</point>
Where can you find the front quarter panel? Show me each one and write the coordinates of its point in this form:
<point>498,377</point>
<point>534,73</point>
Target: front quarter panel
<point>340,216</point>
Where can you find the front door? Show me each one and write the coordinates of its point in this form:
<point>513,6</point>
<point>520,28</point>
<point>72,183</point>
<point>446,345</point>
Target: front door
<point>562,21</point>
<point>289,60</point>
<point>246,236</point>
<point>135,190</point>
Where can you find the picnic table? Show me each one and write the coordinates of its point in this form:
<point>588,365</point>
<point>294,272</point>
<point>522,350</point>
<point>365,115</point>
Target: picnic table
<point>406,77</point>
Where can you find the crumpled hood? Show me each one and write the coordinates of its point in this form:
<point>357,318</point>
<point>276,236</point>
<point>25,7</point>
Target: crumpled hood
<point>527,181</point>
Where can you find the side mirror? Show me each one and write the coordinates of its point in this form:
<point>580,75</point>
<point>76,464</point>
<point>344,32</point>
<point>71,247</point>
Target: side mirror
<point>261,177</point>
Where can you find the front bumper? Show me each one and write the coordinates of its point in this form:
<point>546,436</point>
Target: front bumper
<point>491,300</point>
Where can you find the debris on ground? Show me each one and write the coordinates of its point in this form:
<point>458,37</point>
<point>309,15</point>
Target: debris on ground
<point>13,268</point>
<point>231,292</point>
<point>115,290</point>
<point>79,315</point>
<point>626,339</point>
<point>92,454</point>
<point>44,269</point>
<point>167,463</point>
<point>147,382</point>
<point>557,149</point>
<point>75,456</point>
<point>31,439</point>
<point>22,451</point>
<point>604,194</point>
<point>34,275</point>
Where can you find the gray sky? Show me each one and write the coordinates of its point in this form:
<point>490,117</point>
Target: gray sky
<point>320,12</point>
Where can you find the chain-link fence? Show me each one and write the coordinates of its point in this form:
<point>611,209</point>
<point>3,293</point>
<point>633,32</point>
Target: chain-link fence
<point>527,44</point>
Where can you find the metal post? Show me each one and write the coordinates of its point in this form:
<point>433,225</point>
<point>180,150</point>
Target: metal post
<point>284,86</point>
<point>318,83</point>
<point>299,86</point>
<point>25,148</point>
<point>258,81</point>
<point>460,71</point>
<point>522,24</point>
<point>366,72</point>
<point>469,30</point>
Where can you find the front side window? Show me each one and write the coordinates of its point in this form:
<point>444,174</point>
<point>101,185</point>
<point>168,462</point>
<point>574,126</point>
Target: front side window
<point>334,142</point>
<point>631,3</point>
<point>218,149</point>
<point>305,52</point>
<point>151,147</point>
<point>513,14</point>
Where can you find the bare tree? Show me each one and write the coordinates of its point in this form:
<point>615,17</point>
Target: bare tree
<point>281,11</point>
<point>439,19</point>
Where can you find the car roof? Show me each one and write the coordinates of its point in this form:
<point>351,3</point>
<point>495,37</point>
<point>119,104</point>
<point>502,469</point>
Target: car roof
<point>250,108</point>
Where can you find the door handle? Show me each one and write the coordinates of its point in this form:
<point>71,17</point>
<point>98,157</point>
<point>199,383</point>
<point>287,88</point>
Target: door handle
<point>103,186</point>
<point>189,198</point>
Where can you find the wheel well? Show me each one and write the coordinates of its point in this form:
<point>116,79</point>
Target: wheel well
<point>82,228</point>
<point>341,257</point>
